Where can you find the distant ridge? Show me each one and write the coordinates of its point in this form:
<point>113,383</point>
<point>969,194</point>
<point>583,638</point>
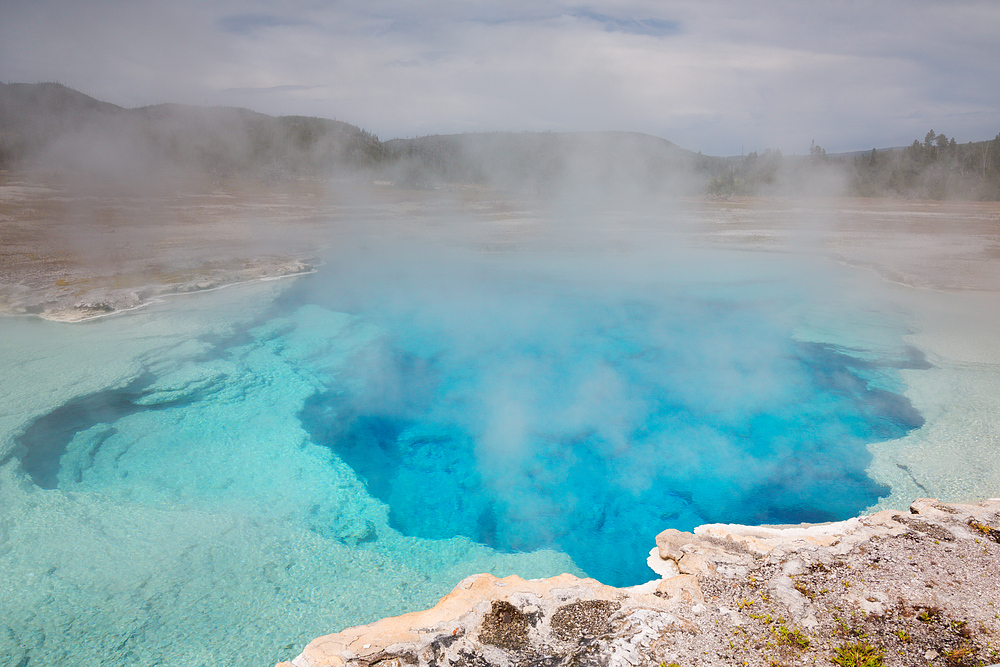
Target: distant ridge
<point>51,126</point>
<point>47,100</point>
<point>54,126</point>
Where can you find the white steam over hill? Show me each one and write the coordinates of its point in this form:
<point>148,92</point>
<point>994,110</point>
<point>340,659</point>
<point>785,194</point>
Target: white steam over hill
<point>50,126</point>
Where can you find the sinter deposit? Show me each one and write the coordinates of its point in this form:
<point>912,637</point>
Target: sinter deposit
<point>894,588</point>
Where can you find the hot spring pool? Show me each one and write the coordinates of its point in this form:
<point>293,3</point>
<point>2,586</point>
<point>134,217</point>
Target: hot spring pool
<point>234,473</point>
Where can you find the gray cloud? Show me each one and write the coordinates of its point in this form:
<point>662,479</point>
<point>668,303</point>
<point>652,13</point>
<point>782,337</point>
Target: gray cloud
<point>639,26</point>
<point>271,90</point>
<point>243,24</point>
<point>717,75</point>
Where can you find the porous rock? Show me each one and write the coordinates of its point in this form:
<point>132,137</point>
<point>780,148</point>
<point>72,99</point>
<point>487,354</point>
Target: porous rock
<point>908,584</point>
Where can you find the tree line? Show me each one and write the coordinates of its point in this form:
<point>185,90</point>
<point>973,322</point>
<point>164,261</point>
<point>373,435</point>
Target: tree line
<point>936,168</point>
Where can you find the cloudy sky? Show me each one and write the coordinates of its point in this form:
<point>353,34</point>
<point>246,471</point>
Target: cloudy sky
<point>719,76</point>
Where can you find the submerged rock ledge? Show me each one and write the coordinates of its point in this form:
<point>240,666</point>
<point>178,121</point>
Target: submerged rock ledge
<point>914,588</point>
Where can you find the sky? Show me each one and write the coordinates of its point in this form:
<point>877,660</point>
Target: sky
<point>723,77</point>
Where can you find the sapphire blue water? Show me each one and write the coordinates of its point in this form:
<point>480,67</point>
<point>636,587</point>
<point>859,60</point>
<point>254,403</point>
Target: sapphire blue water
<point>579,403</point>
<point>541,405</point>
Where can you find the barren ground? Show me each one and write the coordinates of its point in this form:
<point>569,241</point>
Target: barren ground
<point>72,250</point>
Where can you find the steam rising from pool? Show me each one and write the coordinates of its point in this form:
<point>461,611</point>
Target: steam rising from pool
<point>415,413</point>
<point>564,401</point>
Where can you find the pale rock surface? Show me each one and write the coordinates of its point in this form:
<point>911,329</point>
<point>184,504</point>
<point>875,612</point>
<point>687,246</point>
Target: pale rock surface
<point>509,621</point>
<point>908,584</point>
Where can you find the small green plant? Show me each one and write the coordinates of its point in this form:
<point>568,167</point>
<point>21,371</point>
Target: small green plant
<point>858,654</point>
<point>805,590</point>
<point>792,637</point>
<point>928,614</point>
<point>743,604</point>
<point>904,636</point>
<point>845,630</point>
<point>958,656</point>
<point>988,531</point>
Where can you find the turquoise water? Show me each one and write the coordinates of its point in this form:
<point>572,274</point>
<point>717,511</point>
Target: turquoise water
<point>558,401</point>
<point>351,444</point>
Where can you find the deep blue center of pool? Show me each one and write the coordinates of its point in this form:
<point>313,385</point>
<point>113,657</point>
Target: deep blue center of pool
<point>551,408</point>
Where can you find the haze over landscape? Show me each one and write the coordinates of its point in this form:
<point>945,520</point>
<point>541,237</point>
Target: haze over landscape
<point>722,77</point>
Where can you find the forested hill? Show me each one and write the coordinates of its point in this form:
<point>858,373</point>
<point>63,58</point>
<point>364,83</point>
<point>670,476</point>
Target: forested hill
<point>49,125</point>
<point>54,127</point>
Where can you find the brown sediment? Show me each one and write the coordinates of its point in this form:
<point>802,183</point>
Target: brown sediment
<point>71,252</point>
<point>71,255</point>
<point>926,244</point>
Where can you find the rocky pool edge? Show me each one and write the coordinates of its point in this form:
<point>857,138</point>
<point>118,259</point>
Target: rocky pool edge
<point>897,588</point>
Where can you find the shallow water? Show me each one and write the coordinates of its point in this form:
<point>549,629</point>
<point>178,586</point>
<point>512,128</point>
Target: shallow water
<point>350,445</point>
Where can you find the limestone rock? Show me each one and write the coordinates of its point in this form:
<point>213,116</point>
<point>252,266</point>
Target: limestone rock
<point>506,622</point>
<point>710,560</point>
<point>670,541</point>
<point>678,552</point>
<point>682,589</point>
<point>799,608</point>
<point>665,567</point>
